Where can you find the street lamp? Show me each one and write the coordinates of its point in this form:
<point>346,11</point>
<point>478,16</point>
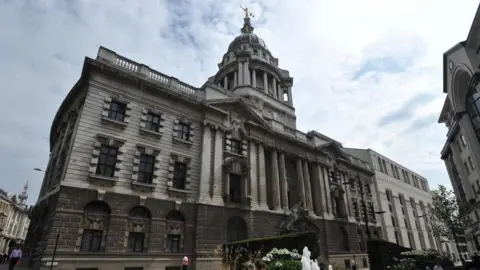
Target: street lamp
<point>38,170</point>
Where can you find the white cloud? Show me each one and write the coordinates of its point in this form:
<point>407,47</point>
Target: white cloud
<point>322,43</point>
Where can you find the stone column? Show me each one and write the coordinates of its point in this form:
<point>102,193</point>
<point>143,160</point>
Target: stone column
<point>280,92</point>
<point>275,181</point>
<point>471,137</point>
<point>246,73</point>
<point>226,186</point>
<point>254,79</point>
<point>253,175</point>
<point>318,197</point>
<point>235,79</point>
<point>326,181</point>
<point>225,83</point>
<point>289,92</point>
<point>262,177</point>
<point>240,74</point>
<point>347,198</point>
<point>463,172</point>
<point>308,189</point>
<point>265,82</point>
<point>453,177</point>
<point>300,184</point>
<point>206,164</point>
<point>274,87</point>
<point>218,167</point>
<point>283,181</point>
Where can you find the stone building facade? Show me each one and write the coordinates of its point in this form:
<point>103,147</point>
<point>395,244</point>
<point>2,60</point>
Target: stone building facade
<point>14,219</point>
<point>460,114</point>
<point>146,169</point>
<point>405,198</point>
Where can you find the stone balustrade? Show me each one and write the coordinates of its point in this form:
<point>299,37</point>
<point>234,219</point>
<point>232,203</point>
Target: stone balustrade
<point>108,56</point>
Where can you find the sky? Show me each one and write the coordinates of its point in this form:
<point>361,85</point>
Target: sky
<point>366,73</point>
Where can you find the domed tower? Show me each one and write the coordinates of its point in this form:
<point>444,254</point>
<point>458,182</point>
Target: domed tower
<point>250,71</point>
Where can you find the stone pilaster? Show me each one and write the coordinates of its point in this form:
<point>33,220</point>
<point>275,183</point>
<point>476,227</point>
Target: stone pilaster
<point>265,82</point>
<point>254,78</point>
<point>240,74</point>
<point>471,137</point>
<point>218,167</point>
<point>318,197</point>
<point>463,172</point>
<point>235,79</point>
<point>308,189</point>
<point>289,92</point>
<point>300,184</point>
<point>225,82</point>
<point>275,181</point>
<point>327,191</point>
<point>283,181</point>
<point>274,87</point>
<point>262,177</point>
<point>254,175</point>
<point>206,165</point>
<point>246,73</point>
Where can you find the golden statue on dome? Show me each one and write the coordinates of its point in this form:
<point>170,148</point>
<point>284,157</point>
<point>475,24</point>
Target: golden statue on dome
<point>247,13</point>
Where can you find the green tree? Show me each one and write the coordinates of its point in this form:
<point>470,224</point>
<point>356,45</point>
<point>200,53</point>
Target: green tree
<point>446,220</point>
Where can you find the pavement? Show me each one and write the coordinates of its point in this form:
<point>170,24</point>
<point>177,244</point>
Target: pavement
<point>5,267</point>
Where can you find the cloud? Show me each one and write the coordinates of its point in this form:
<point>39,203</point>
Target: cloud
<point>352,67</point>
<point>406,110</point>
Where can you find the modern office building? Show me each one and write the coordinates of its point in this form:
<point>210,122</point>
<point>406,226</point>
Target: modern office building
<point>14,219</point>
<point>461,116</point>
<point>406,199</point>
<point>146,169</point>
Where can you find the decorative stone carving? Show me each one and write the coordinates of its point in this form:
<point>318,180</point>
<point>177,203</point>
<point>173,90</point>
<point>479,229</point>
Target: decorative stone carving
<point>338,204</point>
<point>296,219</point>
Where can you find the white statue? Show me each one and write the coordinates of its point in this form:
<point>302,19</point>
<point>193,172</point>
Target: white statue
<point>306,264</point>
<point>315,265</point>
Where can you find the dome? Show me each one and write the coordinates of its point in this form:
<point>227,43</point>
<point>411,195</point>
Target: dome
<point>247,38</point>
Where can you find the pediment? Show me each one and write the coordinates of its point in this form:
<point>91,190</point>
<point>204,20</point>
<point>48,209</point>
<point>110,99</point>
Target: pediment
<point>334,151</point>
<point>238,109</point>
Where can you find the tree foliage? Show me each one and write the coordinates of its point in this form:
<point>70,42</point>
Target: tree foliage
<point>445,216</point>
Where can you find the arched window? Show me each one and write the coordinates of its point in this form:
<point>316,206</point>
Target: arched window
<point>175,232</point>
<point>139,225</point>
<point>95,225</point>
<point>344,239</point>
<point>472,105</point>
<point>237,229</point>
<point>361,240</point>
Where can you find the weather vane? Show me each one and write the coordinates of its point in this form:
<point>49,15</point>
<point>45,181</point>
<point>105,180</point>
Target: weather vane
<point>247,13</point>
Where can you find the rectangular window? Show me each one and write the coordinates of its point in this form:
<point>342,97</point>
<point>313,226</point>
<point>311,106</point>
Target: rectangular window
<point>145,168</point>
<point>371,209</point>
<point>179,175</point>
<point>235,192</point>
<point>117,111</point>
<point>355,208</point>
<point>470,162</point>
<point>393,221</point>
<point>464,142</point>
<point>135,242</point>
<point>380,164</point>
<point>347,264</point>
<point>173,243</point>
<point>384,167</point>
<point>466,167</point>
<point>107,160</point>
<point>153,122</point>
<point>365,262</point>
<point>183,131</point>
<point>236,146</point>
<point>91,240</point>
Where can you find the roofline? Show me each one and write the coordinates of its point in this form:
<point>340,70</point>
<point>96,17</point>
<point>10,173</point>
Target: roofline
<point>475,20</point>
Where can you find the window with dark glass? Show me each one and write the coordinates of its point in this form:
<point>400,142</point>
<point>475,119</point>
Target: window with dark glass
<point>235,192</point>
<point>470,161</point>
<point>393,221</point>
<point>371,209</point>
<point>153,122</point>
<point>236,146</point>
<point>355,209</point>
<point>183,131</point>
<point>397,238</point>
<point>107,160</point>
<point>135,242</point>
<point>347,264</point>
<point>368,188</point>
<point>117,111</point>
<point>365,262</point>
<point>145,168</point>
<point>91,240</point>
<point>179,175</point>
<point>173,242</point>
